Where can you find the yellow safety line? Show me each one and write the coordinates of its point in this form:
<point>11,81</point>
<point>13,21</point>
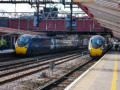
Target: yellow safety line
<point>113,87</point>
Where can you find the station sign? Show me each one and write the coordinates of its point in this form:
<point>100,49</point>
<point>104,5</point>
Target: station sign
<point>83,1</point>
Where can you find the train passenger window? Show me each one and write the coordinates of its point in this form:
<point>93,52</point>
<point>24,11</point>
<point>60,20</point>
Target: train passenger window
<point>46,42</point>
<point>41,42</point>
<point>35,42</point>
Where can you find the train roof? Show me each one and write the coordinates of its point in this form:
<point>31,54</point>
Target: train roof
<point>97,37</point>
<point>35,36</point>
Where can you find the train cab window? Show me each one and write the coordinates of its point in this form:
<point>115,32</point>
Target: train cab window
<point>22,41</point>
<point>96,43</point>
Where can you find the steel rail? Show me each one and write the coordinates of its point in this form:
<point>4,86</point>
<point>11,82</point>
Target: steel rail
<point>56,82</point>
<point>25,72</point>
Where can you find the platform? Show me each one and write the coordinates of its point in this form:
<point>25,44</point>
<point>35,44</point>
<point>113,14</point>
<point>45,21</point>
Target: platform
<point>7,51</point>
<point>104,75</point>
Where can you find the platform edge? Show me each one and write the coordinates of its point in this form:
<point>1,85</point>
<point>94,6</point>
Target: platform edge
<point>81,76</point>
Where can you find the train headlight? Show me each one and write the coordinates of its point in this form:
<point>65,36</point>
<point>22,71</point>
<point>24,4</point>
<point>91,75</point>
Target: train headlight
<point>16,45</point>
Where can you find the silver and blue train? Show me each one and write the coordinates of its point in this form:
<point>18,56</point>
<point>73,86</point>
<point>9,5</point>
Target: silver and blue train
<point>28,44</point>
<point>96,45</point>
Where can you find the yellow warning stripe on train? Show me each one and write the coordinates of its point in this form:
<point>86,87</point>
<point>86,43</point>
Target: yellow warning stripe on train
<point>21,50</point>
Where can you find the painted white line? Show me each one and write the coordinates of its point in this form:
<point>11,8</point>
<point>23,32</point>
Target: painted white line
<point>81,76</point>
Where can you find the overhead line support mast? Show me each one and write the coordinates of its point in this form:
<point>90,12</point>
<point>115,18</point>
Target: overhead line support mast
<point>71,15</point>
<point>38,3</point>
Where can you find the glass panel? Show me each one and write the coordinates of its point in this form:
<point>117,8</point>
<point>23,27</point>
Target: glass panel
<point>23,40</point>
<point>96,43</point>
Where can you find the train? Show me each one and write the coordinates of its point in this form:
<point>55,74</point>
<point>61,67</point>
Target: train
<point>96,45</point>
<point>28,44</point>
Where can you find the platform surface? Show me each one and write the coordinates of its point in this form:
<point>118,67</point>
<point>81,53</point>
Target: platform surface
<point>7,51</point>
<point>105,75</point>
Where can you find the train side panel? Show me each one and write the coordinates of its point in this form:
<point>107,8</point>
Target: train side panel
<point>44,44</point>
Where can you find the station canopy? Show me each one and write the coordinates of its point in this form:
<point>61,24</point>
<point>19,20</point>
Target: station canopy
<point>11,31</point>
<point>105,12</point>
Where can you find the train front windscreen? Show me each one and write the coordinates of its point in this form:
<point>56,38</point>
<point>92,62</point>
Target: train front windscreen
<point>97,43</point>
<point>23,40</point>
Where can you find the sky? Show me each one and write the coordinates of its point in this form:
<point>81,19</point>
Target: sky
<point>28,8</point>
<point>25,8</point>
<point>19,8</point>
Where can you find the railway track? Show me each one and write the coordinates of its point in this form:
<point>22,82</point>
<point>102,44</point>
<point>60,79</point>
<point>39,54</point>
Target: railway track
<point>6,57</point>
<point>10,74</point>
<point>67,78</point>
<point>12,57</point>
<point>62,82</point>
<point>26,61</point>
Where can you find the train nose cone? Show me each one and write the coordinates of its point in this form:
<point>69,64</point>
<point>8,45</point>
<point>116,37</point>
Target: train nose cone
<point>96,52</point>
<point>21,50</point>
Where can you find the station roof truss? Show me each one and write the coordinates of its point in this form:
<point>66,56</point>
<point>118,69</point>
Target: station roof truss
<point>61,14</point>
<point>43,2</point>
<point>11,31</point>
<point>105,12</point>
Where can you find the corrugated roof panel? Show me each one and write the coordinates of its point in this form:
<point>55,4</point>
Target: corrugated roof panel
<point>106,12</point>
<point>108,3</point>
